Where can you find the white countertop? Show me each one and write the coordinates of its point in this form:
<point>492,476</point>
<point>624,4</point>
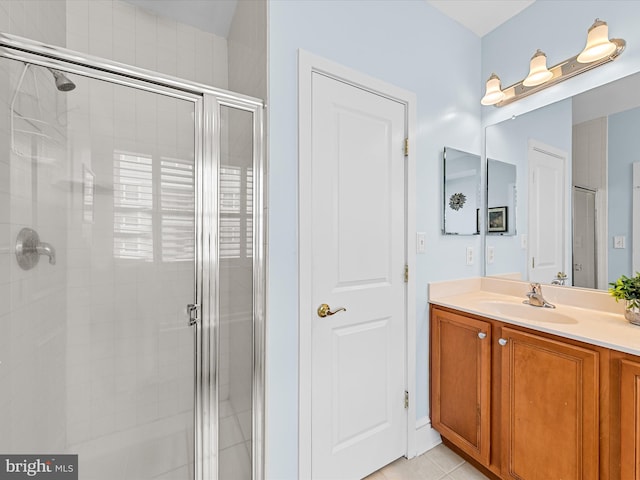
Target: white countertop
<point>586,315</point>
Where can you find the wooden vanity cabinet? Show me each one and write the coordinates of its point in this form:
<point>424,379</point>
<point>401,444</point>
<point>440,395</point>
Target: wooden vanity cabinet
<point>524,405</point>
<point>461,381</point>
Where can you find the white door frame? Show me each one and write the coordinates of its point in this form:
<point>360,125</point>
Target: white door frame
<point>307,65</point>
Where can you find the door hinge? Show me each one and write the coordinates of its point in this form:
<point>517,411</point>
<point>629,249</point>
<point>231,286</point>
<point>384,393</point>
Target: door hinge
<point>406,147</point>
<point>406,399</point>
<point>406,273</point>
<point>193,311</point>
<point>533,262</point>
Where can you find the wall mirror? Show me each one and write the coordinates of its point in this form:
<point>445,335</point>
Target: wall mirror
<point>575,211</point>
<point>462,199</point>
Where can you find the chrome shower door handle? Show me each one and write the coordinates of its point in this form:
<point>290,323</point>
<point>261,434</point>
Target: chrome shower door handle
<point>193,311</point>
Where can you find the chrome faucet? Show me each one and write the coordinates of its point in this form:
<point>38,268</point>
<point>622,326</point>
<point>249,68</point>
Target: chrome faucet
<point>559,279</point>
<point>535,298</point>
<point>47,249</point>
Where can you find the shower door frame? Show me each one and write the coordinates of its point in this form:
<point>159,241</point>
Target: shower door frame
<point>207,102</point>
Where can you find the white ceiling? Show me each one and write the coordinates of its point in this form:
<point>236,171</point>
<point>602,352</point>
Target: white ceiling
<point>480,16</point>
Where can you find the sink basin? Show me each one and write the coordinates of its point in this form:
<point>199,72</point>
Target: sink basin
<point>526,312</point>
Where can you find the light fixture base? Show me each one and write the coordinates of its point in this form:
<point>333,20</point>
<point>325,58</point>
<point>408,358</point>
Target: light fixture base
<point>561,72</point>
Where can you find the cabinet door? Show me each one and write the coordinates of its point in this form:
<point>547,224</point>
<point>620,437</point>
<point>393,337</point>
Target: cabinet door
<point>461,381</point>
<point>630,419</point>
<point>550,408</point>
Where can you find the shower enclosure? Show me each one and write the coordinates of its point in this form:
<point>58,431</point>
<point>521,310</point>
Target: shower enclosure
<point>131,269</point>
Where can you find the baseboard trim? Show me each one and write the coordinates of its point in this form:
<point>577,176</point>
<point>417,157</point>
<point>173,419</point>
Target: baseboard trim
<point>426,437</point>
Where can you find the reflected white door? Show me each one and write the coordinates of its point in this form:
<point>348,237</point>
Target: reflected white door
<point>547,216</point>
<point>358,247</point>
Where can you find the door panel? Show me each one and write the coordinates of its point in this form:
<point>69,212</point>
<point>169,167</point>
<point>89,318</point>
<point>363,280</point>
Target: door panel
<point>550,405</point>
<point>348,396</point>
<point>546,215</point>
<point>461,381</point>
<point>358,355</point>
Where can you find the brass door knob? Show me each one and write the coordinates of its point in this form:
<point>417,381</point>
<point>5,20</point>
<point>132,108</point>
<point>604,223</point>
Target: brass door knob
<point>325,310</point>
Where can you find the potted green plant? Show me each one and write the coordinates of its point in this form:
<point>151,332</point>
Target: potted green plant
<point>628,289</point>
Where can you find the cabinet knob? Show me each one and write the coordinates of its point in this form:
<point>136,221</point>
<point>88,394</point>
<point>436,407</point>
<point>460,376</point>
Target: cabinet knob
<point>482,335</point>
<point>502,341</point>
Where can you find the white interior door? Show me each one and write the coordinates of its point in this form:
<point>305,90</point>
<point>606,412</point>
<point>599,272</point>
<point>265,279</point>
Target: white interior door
<point>359,421</point>
<point>547,216</point>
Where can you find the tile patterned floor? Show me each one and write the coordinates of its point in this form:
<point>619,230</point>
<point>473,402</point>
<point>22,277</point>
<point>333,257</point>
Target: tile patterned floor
<point>439,463</point>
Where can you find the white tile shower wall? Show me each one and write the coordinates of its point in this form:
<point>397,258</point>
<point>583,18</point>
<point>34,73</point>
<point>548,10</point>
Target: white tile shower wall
<point>247,47</point>
<point>33,409</point>
<point>32,304</point>
<point>118,31</point>
<point>42,20</point>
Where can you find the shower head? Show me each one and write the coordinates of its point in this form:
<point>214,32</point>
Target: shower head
<point>62,81</point>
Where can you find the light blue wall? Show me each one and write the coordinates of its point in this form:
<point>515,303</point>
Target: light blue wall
<point>623,150</point>
<point>406,43</point>
<point>559,28</point>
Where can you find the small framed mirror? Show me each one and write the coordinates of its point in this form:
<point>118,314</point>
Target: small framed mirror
<point>462,183</point>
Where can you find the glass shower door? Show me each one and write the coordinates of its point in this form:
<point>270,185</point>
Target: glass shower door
<point>236,294</point>
<point>96,355</point>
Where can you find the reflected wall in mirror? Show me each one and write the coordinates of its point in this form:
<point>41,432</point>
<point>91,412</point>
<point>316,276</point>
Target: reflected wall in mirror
<point>597,130</point>
<point>462,179</point>
<point>501,198</point>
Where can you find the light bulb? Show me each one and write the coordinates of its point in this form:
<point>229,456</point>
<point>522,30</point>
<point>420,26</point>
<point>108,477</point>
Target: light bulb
<point>538,71</point>
<point>598,44</point>
<point>493,94</point>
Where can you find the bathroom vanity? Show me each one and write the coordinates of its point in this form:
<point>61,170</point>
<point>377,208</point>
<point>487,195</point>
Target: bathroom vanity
<point>535,393</point>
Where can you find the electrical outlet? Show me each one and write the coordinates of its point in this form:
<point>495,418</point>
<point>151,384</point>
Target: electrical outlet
<point>491,254</point>
<point>619,241</point>
<point>523,241</point>
<point>421,242</point>
<point>470,256</point>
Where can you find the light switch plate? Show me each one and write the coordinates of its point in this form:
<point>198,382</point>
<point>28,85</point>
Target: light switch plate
<point>421,242</point>
<point>619,241</point>
<point>491,254</point>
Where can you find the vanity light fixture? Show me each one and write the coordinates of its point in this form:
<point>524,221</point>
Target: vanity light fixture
<point>598,51</point>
